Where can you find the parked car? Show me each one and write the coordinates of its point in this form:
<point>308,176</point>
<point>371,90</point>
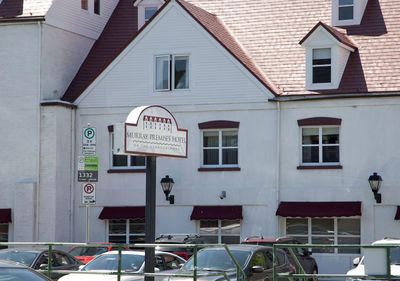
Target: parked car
<point>303,255</point>
<point>39,259</point>
<point>87,253</point>
<point>14,271</point>
<point>185,253</point>
<point>256,262</point>
<point>394,260</point>
<point>132,261</point>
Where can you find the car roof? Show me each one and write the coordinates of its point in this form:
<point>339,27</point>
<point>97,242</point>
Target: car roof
<point>132,252</point>
<point>268,239</point>
<point>386,241</point>
<point>10,264</point>
<point>36,250</point>
<point>239,247</point>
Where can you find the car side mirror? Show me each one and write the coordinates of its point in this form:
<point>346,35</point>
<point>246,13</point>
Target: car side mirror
<point>43,266</point>
<point>257,269</point>
<point>356,261</point>
<point>156,270</point>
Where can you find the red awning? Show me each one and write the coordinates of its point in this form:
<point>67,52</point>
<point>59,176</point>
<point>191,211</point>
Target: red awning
<point>319,209</point>
<point>397,216</point>
<point>122,213</point>
<point>216,213</point>
<point>5,215</point>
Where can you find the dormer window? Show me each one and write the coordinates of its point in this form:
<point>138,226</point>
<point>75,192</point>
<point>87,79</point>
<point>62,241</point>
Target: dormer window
<point>346,9</point>
<point>321,65</point>
<point>348,12</point>
<point>147,9</point>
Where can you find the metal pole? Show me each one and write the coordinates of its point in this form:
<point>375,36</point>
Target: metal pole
<point>150,215</point>
<point>87,223</point>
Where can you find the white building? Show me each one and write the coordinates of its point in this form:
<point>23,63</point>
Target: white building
<point>289,110</point>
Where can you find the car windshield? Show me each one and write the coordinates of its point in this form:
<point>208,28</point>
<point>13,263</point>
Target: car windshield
<point>87,251</point>
<point>20,274</point>
<point>130,262</point>
<point>217,259</point>
<point>21,257</point>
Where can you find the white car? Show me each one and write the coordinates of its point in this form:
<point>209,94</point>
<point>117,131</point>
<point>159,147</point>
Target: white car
<point>132,261</point>
<point>394,260</point>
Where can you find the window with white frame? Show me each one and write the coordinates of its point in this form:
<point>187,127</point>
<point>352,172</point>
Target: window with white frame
<point>125,161</point>
<point>321,65</point>
<point>84,4</point>
<point>329,231</point>
<point>171,72</point>
<point>320,145</point>
<point>220,148</point>
<point>149,12</point>
<point>127,231</point>
<point>96,7</point>
<point>220,231</point>
<point>346,9</point>
<point>3,234</point>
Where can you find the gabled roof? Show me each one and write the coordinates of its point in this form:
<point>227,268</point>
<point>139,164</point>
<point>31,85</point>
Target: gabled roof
<point>342,38</point>
<point>263,35</point>
<point>24,8</point>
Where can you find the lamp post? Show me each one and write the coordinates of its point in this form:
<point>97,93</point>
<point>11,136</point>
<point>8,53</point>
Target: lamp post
<point>167,183</point>
<point>375,181</point>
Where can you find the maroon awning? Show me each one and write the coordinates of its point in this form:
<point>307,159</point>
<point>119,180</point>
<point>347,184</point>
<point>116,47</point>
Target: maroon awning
<point>122,213</point>
<point>397,216</point>
<point>216,213</point>
<point>319,209</point>
<point>5,215</point>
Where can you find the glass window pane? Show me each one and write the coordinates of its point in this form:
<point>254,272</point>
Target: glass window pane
<point>120,161</point>
<point>348,226</point>
<point>330,135</point>
<point>230,226</point>
<point>323,240</point>
<point>229,138</point>
<point>321,56</point>
<point>346,2</point>
<point>348,241</point>
<point>346,13</point>
<point>310,135</point>
<point>118,239</point>
<point>162,73</point>
<point>136,226</point>
<point>230,239</point>
<point>138,161</point>
<point>3,234</point>
<point>210,239</point>
<point>149,12</point>
<point>310,154</point>
<point>84,4</point>
<point>322,226</point>
<point>229,156</point>
<point>395,256</point>
<point>208,226</point>
<point>210,139</point>
<point>322,74</point>
<point>330,154</point>
<point>117,227</point>
<point>136,239</point>
<point>296,226</point>
<point>181,73</point>
<point>96,7</point>
<point>211,156</point>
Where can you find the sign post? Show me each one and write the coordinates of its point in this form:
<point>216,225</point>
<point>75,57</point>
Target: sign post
<point>88,198</point>
<point>150,131</point>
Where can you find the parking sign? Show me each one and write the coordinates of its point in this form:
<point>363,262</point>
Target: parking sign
<point>89,194</point>
<point>89,141</point>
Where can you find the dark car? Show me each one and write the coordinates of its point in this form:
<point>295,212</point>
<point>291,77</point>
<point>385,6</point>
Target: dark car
<point>13,271</point>
<point>183,252</point>
<point>303,255</point>
<point>39,259</point>
<point>256,262</point>
<point>87,253</point>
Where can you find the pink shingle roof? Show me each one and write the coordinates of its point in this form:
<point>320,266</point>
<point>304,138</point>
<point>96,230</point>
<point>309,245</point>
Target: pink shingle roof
<point>24,8</point>
<point>264,35</point>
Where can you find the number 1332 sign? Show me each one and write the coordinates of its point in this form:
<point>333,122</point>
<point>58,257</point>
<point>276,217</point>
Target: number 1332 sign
<point>89,194</point>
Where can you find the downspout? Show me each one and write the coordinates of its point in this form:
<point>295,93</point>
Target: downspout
<point>278,161</point>
<point>37,199</point>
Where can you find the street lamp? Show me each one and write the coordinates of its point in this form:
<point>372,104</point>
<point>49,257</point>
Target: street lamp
<point>167,183</point>
<point>375,181</point>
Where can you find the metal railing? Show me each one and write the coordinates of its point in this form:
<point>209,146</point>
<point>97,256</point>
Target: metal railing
<point>49,271</point>
<point>303,276</point>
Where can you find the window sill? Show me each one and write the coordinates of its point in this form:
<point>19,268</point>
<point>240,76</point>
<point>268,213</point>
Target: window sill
<point>320,167</point>
<point>125,171</point>
<point>216,169</point>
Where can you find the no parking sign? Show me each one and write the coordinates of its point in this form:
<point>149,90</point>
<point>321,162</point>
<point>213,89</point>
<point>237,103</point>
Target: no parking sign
<point>89,194</point>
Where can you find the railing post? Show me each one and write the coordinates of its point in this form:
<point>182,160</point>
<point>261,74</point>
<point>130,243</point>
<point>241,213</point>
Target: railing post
<point>274,263</point>
<point>50,260</point>
<point>119,262</point>
<point>388,270</point>
<point>195,263</point>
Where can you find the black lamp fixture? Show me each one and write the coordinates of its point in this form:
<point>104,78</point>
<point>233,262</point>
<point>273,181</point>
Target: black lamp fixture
<point>167,183</point>
<point>375,181</point>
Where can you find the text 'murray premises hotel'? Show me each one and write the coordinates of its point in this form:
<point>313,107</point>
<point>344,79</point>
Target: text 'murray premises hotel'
<point>290,107</point>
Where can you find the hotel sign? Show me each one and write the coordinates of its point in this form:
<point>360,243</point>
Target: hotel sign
<point>150,130</point>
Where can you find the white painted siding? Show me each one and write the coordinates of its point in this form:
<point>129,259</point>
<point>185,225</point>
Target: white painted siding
<point>68,15</point>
